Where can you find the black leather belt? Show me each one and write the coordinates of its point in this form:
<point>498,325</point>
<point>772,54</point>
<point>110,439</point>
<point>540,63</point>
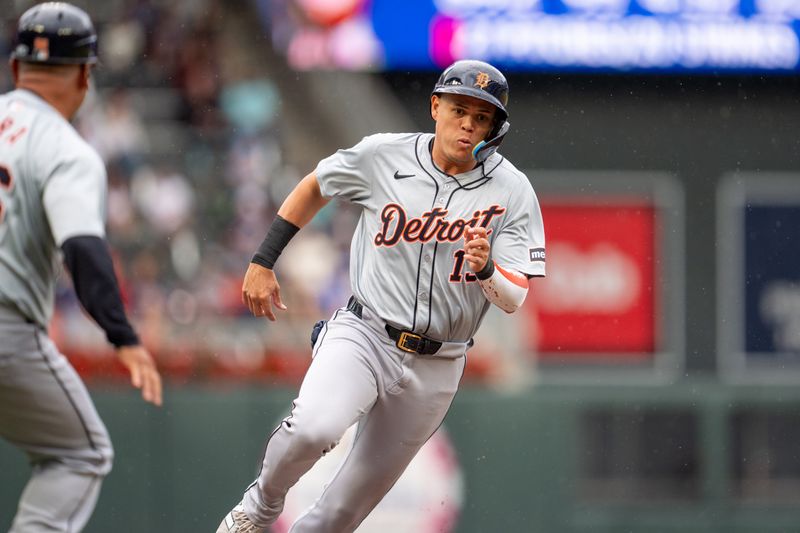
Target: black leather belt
<point>405,340</point>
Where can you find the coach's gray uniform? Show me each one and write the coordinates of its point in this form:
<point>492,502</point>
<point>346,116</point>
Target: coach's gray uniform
<point>52,188</point>
<point>407,269</point>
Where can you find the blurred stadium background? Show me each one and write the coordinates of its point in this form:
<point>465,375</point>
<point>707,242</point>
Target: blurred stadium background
<point>651,382</point>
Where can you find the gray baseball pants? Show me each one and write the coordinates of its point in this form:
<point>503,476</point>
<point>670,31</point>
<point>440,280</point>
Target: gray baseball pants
<point>46,411</point>
<point>358,374</point>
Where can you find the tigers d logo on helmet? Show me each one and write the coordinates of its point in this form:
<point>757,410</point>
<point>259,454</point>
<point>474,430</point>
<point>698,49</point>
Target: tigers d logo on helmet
<point>482,80</point>
<point>41,48</point>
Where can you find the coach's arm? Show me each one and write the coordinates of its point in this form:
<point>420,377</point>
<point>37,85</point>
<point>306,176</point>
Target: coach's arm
<point>89,263</point>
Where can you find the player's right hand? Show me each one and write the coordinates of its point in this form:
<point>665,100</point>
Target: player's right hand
<point>144,374</point>
<point>477,248</point>
<point>260,291</point>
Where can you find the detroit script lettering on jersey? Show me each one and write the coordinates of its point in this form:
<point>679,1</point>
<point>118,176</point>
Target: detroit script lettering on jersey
<point>396,225</point>
<point>10,136</point>
<point>6,124</point>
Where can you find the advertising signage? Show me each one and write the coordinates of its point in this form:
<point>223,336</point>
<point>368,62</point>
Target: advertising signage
<point>547,35</point>
<point>600,292</point>
<point>759,277</point>
<point>610,307</point>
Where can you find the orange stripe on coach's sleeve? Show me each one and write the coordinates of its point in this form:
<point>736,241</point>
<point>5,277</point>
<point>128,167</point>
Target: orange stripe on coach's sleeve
<point>514,278</point>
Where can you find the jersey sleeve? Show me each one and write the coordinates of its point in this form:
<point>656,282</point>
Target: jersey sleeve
<point>519,244</point>
<point>74,196</point>
<point>346,174</point>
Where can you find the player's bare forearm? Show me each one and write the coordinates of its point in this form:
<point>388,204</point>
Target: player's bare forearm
<point>143,371</point>
<point>260,291</point>
<point>303,202</point>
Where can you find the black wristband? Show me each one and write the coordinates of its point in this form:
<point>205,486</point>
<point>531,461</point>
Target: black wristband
<point>487,270</point>
<point>280,233</point>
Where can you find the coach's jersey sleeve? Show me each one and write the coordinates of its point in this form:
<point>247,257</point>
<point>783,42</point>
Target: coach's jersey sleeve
<point>74,195</point>
<point>346,174</point>
<point>519,245</point>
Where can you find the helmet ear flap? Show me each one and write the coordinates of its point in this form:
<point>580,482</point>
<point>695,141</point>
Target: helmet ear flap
<point>484,149</point>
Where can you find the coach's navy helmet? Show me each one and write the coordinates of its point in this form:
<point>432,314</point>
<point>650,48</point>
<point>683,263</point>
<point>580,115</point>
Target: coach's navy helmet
<point>55,33</point>
<point>478,79</point>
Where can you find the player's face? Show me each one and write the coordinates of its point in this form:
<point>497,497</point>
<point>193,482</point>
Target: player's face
<point>461,123</point>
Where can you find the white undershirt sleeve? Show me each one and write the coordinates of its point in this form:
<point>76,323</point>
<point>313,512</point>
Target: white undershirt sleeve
<point>505,288</point>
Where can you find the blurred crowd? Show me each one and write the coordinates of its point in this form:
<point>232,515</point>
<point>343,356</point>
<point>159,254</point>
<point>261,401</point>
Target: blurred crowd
<point>193,151</point>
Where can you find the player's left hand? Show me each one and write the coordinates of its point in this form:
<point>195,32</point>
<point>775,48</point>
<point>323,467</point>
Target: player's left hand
<point>144,374</point>
<point>477,248</point>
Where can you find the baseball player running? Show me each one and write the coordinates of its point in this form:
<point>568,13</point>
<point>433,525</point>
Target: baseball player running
<point>448,227</point>
<point>52,202</point>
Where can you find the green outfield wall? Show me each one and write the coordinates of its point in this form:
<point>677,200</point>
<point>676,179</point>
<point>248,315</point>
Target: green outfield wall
<point>543,460</point>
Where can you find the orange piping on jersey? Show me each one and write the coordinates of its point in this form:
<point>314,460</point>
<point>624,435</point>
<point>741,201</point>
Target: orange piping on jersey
<point>513,277</point>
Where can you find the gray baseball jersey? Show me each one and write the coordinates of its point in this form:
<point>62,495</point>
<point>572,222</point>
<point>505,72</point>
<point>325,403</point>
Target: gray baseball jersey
<point>52,187</point>
<point>407,258</point>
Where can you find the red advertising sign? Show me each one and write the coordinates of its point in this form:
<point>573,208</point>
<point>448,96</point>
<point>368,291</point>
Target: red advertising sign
<point>599,294</point>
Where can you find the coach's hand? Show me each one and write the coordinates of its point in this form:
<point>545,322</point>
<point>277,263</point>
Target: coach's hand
<point>260,291</point>
<point>144,374</point>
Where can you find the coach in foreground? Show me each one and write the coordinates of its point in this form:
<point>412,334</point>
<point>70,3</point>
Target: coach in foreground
<point>448,227</point>
<point>52,202</point>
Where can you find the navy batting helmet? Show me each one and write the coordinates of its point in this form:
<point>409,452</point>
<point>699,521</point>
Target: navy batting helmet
<point>55,33</point>
<point>479,80</point>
